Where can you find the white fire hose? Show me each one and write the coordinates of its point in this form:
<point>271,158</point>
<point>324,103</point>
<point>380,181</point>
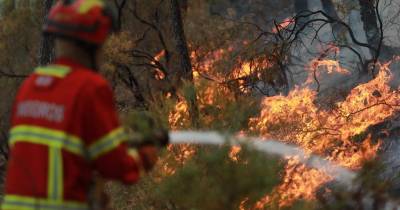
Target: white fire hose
<point>273,147</point>
<point>341,174</point>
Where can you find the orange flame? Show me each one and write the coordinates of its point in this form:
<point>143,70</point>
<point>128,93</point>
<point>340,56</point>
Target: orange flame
<point>159,75</point>
<point>179,117</point>
<point>233,154</point>
<point>335,133</point>
<point>331,66</point>
<point>297,119</point>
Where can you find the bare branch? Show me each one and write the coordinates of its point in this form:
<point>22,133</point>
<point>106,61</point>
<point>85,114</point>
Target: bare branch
<point>152,26</point>
<point>12,75</point>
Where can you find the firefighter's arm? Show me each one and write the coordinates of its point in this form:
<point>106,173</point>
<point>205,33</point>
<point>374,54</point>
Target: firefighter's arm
<point>107,142</point>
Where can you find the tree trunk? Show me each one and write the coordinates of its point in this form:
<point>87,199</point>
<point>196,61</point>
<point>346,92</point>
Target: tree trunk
<point>120,10</point>
<point>184,5</point>
<point>373,31</point>
<point>339,32</point>
<point>301,7</point>
<point>46,53</point>
<point>181,59</point>
<point>369,18</point>
<point>181,49</point>
<point>329,8</point>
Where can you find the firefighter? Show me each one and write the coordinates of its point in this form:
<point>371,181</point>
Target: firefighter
<point>65,127</point>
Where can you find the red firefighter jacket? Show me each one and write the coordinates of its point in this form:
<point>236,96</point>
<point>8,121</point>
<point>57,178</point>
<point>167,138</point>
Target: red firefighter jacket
<point>64,127</point>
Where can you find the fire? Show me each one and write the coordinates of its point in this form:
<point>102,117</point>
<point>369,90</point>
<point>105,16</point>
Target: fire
<point>236,149</point>
<point>261,203</point>
<point>179,117</point>
<point>246,69</point>
<point>180,154</point>
<point>331,133</point>
<point>204,62</point>
<point>159,75</point>
<point>185,153</point>
<point>249,68</point>
<point>159,55</point>
<point>299,182</point>
<point>242,204</point>
<point>330,66</point>
<point>233,154</point>
<point>335,132</point>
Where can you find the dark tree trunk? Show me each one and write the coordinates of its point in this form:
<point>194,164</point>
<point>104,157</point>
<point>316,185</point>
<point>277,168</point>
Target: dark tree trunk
<point>181,49</point>
<point>301,7</point>
<point>369,18</point>
<point>184,5</point>
<point>338,30</point>
<point>374,32</point>
<point>329,8</point>
<point>182,59</point>
<point>46,53</point>
<point>120,9</point>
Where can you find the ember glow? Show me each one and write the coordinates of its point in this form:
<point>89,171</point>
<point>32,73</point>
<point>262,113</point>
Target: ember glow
<point>159,75</point>
<point>179,117</point>
<point>335,132</point>
<point>233,154</point>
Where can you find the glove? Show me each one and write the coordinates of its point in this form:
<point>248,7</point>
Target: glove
<point>149,156</point>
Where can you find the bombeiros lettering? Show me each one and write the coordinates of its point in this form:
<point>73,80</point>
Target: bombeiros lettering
<point>41,110</point>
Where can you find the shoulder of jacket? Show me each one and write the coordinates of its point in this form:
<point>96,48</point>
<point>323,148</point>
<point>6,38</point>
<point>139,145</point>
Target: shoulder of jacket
<point>92,81</point>
<point>27,83</point>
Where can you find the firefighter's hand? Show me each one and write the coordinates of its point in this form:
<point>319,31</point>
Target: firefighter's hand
<point>149,156</point>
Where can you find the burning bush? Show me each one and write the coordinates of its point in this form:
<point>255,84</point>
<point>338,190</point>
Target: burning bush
<point>212,180</point>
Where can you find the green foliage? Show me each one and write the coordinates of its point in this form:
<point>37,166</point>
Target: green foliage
<point>212,180</point>
<point>142,121</point>
<point>233,117</point>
